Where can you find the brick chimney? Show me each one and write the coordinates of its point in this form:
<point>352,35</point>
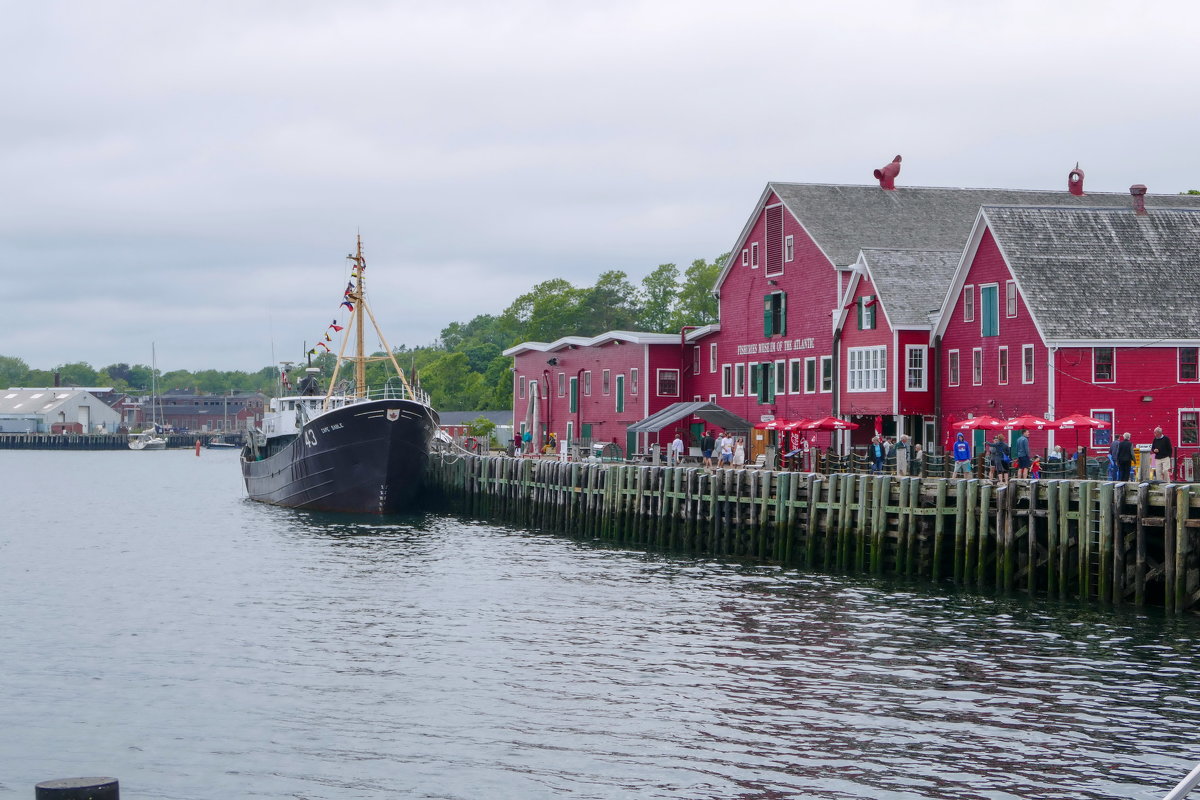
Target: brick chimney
<point>1138,191</point>
<point>1075,181</point>
<point>887,175</point>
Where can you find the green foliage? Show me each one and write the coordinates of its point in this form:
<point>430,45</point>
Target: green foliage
<point>465,370</point>
<point>481,427</point>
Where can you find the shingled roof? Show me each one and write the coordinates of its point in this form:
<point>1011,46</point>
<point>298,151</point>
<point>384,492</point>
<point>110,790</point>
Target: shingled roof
<point>844,219</point>
<point>911,283</point>
<point>1102,273</point>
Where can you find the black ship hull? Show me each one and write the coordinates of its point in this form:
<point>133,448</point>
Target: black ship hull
<point>365,458</point>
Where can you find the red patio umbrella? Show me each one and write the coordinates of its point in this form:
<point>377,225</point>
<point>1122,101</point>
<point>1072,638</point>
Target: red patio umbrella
<point>979,423</point>
<point>1028,421</point>
<point>830,424</point>
<point>1077,421</point>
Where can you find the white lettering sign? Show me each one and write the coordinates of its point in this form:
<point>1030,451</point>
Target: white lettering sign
<point>778,346</point>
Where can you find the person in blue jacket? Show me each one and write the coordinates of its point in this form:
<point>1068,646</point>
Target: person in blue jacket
<point>877,454</point>
<point>1022,455</point>
<point>962,456</point>
<point>999,459</point>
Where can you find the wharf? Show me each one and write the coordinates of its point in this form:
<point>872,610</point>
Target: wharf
<point>1090,541</point>
<point>94,441</point>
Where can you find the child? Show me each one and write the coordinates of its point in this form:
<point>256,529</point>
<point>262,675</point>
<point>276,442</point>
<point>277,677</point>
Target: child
<point>1035,469</point>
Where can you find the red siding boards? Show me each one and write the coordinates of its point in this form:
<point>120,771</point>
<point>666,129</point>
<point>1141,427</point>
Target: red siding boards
<point>620,358</point>
<point>990,395</point>
<point>809,285</point>
<point>857,401</point>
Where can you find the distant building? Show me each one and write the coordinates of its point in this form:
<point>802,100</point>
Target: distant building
<point>55,410</point>
<point>207,412</point>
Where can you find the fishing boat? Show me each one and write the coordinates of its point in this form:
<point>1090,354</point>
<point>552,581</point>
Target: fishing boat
<point>151,438</point>
<point>351,447</point>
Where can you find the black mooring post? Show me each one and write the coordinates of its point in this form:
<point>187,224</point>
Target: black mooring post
<point>78,789</point>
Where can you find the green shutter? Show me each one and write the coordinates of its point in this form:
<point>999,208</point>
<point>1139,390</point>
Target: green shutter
<point>859,307</point>
<point>620,393</point>
<point>989,297</point>
<point>783,312</point>
<point>574,395</point>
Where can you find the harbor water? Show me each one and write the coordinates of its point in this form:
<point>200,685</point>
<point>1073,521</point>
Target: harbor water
<point>161,629</point>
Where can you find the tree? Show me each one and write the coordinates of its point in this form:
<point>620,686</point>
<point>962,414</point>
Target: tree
<point>77,374</point>
<point>660,290</point>
<point>547,312</point>
<point>697,305</point>
<point>610,305</point>
<point>13,372</point>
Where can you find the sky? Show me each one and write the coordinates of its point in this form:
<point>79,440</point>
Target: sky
<point>190,176</point>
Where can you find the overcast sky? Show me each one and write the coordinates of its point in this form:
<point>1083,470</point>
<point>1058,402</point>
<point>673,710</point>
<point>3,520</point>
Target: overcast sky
<point>193,173</point>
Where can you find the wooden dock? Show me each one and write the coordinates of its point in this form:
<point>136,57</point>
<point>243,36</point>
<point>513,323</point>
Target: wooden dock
<point>93,441</point>
<point>1088,541</point>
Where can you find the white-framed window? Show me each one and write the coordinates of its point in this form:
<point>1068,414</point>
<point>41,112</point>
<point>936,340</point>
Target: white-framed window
<point>696,360</point>
<point>754,255</point>
<point>1189,427</point>
<point>668,383</point>
<point>1010,299</point>
<point>810,375</point>
<point>696,398</point>
<point>1002,366</point>
<point>795,367</point>
<point>781,377</point>
<point>739,380</point>
<point>968,296</point>
<point>726,380</point>
<point>712,398</point>
<point>712,358</point>
<point>866,369</point>
<point>606,381</point>
<point>521,387</point>
<point>826,374</point>
<point>977,366</point>
<point>1104,365</point>
<point>1028,371</point>
<point>1103,438</point>
<point>952,367</point>
<point>752,376</point>
<point>745,257</point>
<point>915,371</point>
<point>1189,364</point>
<point>562,384</point>
<point>633,380</point>
<point>789,248</point>
<point>587,382</point>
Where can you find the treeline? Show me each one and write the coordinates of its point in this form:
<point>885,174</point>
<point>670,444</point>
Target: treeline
<point>464,370</point>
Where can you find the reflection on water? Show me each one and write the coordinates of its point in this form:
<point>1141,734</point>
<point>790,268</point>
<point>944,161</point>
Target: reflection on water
<point>208,646</point>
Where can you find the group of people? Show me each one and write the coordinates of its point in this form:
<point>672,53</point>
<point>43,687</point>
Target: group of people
<point>1000,457</point>
<point>908,456</point>
<point>721,449</point>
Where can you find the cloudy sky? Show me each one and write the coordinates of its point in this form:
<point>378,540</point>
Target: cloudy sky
<point>193,173</point>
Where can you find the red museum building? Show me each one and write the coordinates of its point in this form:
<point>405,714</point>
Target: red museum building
<point>910,308</point>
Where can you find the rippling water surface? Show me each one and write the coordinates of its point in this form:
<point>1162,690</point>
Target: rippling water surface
<point>161,629</point>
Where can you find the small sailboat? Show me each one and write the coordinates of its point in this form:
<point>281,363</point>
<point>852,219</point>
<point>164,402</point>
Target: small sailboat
<point>152,437</point>
<point>352,447</point>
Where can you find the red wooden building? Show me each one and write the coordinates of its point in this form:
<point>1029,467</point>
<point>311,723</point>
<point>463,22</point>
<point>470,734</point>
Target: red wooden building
<point>592,389</point>
<point>1056,311</point>
<point>828,306</point>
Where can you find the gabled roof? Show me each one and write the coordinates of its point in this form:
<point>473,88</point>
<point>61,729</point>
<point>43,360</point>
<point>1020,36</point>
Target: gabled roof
<point>34,401</point>
<point>910,283</point>
<point>465,417</point>
<point>1104,274</point>
<point>1092,275</point>
<point>843,219</point>
<point>709,412</point>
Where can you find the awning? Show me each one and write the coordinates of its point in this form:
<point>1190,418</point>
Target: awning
<point>709,412</point>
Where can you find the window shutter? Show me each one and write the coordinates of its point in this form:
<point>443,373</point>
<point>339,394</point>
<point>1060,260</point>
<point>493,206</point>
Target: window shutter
<point>767,328</point>
<point>859,306</point>
<point>783,312</point>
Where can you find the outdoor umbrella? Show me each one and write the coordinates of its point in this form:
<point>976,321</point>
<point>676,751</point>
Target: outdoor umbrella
<point>979,423</point>
<point>1028,421</point>
<point>830,424</point>
<point>1074,422</point>
<point>773,425</point>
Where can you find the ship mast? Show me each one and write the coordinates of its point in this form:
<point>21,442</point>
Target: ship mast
<point>357,295</point>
